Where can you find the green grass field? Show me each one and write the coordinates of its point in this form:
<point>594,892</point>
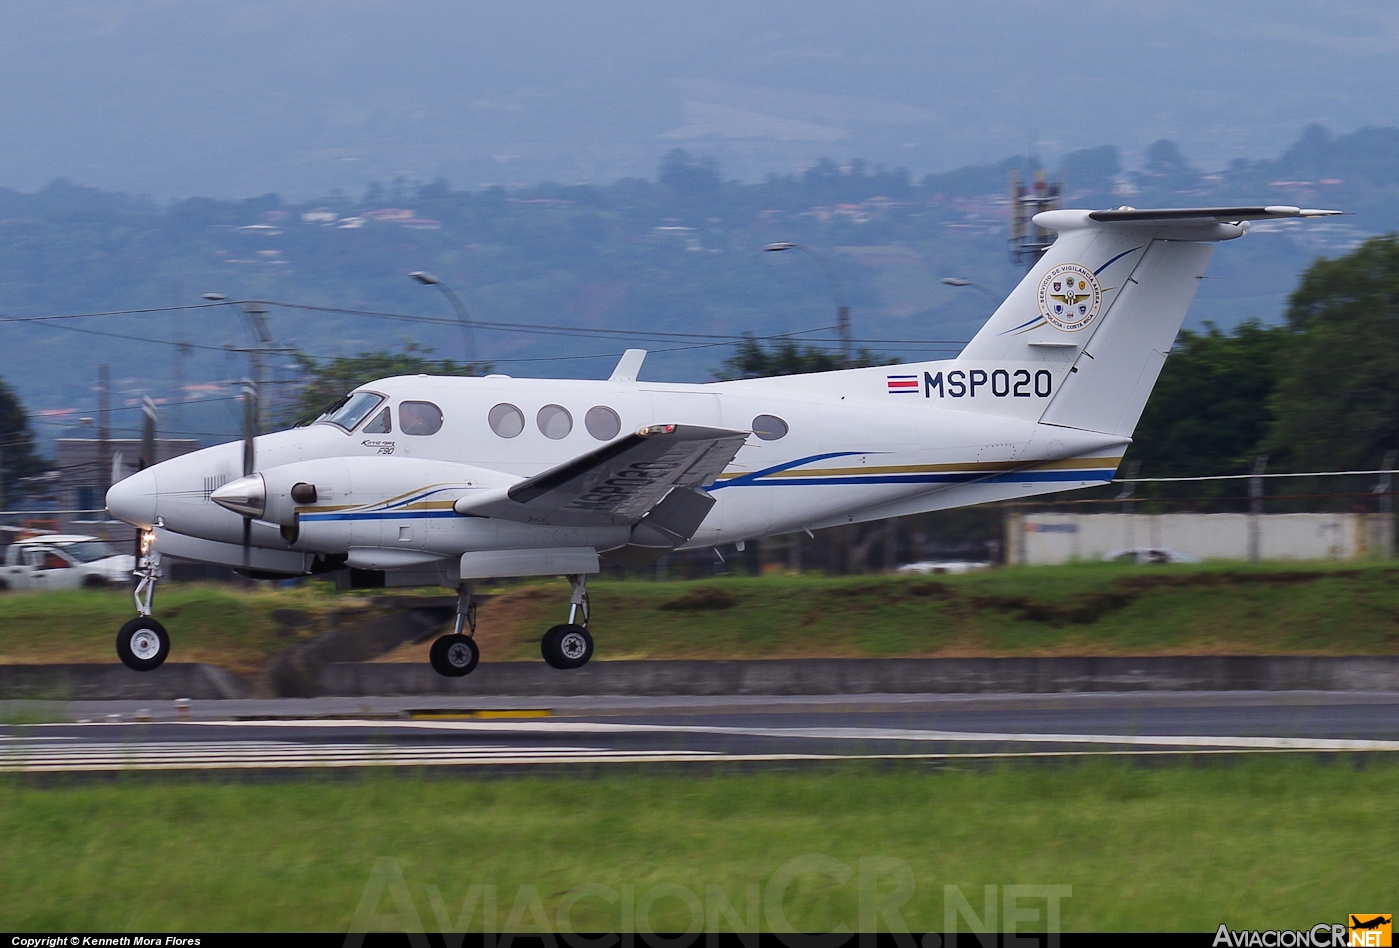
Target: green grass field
<point>1260,842</point>
<point>1097,609</point>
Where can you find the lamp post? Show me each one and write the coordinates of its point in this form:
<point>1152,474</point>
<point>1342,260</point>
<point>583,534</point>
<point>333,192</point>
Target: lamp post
<point>469,343</point>
<point>263,343</point>
<point>842,310</point>
<point>958,281</point>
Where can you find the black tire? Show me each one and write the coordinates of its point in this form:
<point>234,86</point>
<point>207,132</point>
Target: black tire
<point>94,582</point>
<point>143,644</point>
<point>454,656</point>
<point>566,646</point>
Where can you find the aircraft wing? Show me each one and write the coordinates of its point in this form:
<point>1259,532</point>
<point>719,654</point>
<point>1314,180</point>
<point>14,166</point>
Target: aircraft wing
<point>618,483</point>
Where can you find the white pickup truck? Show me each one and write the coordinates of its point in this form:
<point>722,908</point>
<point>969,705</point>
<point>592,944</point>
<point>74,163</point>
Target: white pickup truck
<point>63,562</point>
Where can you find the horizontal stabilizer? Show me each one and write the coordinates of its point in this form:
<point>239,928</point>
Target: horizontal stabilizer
<point>1224,215</point>
<point>618,483</point>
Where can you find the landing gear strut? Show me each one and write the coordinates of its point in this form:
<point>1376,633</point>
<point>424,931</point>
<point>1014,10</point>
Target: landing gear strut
<point>456,655</point>
<point>143,644</point>
<point>570,645</point>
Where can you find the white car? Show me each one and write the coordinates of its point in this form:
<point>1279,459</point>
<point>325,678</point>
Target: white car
<point>940,567</point>
<point>63,562</point>
<point>1149,555</point>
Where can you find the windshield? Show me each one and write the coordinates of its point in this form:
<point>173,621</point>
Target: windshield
<point>352,412</point>
<point>88,551</point>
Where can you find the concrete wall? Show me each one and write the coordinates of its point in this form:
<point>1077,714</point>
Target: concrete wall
<point>1042,538</point>
<point>821,676</point>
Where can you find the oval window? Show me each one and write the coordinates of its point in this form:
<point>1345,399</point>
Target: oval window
<point>419,418</point>
<point>602,423</point>
<point>506,420</point>
<point>554,421</point>
<point>769,427</point>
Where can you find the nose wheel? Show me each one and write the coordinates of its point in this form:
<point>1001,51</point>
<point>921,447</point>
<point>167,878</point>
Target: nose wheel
<point>143,644</point>
<point>570,645</point>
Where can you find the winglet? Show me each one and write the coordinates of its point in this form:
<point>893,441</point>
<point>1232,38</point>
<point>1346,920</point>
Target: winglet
<point>628,366</point>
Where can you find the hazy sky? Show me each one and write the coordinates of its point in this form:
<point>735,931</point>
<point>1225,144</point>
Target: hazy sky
<point>237,97</point>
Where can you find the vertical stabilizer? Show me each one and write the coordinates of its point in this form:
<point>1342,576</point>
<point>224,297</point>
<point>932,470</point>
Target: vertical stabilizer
<point>1104,304</point>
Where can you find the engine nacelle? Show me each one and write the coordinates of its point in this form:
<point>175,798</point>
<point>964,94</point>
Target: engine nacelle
<point>330,505</point>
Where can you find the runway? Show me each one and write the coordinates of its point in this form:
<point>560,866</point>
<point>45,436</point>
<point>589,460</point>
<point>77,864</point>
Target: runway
<point>753,730</point>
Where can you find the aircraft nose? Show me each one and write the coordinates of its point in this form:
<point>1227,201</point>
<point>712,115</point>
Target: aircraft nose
<point>133,499</point>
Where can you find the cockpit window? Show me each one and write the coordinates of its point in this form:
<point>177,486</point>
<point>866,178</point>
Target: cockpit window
<point>356,407</point>
<point>382,423</point>
<point>419,418</point>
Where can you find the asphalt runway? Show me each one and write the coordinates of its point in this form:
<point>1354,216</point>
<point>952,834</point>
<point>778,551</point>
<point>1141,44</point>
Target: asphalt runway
<point>279,735</point>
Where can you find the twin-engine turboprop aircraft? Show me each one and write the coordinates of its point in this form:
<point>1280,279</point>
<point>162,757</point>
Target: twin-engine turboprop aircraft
<point>422,480</point>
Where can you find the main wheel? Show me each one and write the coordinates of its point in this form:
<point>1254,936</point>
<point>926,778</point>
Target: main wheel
<point>454,656</point>
<point>143,644</point>
<point>567,646</point>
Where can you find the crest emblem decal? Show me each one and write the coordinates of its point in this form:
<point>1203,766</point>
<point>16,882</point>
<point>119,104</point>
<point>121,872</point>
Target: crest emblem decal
<point>1070,297</point>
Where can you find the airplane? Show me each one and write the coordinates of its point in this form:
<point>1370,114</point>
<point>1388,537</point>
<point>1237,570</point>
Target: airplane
<point>429,480</point>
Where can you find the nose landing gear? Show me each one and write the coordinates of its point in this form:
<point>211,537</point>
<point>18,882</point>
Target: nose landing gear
<point>456,655</point>
<point>143,644</point>
<point>570,645</point>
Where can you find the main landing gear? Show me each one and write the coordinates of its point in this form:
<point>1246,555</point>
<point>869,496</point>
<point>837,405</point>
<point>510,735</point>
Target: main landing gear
<point>143,644</point>
<point>456,655</point>
<point>564,646</point>
<point>569,645</point>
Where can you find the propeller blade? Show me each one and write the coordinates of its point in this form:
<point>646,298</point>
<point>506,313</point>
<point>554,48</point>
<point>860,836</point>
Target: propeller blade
<point>148,420</point>
<point>249,424</point>
<point>249,462</point>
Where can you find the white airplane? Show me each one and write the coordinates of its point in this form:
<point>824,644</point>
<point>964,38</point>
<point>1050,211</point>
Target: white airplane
<point>420,480</point>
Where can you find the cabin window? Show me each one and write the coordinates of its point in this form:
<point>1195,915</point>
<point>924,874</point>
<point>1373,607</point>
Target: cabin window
<point>381,424</point>
<point>769,427</point>
<point>554,422</point>
<point>602,423</point>
<point>355,409</point>
<point>506,420</point>
<point>419,418</point>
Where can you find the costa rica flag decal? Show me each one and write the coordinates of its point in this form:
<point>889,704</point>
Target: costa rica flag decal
<point>903,384</point>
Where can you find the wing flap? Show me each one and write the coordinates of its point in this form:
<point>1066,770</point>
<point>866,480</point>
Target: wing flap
<point>618,483</point>
<point>1188,215</point>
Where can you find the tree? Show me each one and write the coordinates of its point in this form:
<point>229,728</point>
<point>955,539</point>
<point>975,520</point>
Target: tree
<point>1210,408</point>
<point>1336,404</point>
<point>751,360</point>
<point>20,460</point>
<point>329,380</point>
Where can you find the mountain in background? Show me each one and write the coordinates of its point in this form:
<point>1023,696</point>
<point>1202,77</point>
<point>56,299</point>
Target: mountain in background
<point>561,278</point>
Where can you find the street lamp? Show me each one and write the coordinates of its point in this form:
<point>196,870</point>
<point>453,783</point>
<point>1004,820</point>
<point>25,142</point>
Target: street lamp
<point>842,310</point>
<point>427,279</point>
<point>958,281</point>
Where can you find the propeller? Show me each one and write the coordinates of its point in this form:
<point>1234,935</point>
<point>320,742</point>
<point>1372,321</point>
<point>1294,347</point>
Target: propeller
<point>249,461</point>
<point>148,419</point>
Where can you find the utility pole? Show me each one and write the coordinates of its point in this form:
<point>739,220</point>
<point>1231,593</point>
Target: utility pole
<point>1255,509</point>
<point>104,431</point>
<point>1385,489</point>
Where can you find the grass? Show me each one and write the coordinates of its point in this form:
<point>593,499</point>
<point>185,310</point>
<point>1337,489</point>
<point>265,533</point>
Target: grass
<point>1081,609</point>
<point>239,628</point>
<point>1087,609</point>
<point>1265,842</point>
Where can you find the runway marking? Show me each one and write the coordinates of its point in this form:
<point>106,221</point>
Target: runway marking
<point>859,734</point>
<point>272,755</point>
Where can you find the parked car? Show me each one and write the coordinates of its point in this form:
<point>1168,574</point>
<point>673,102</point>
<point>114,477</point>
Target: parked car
<point>63,561</point>
<point>1144,554</point>
<point>940,567</point>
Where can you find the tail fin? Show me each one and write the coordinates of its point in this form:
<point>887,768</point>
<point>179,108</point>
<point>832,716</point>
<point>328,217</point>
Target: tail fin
<point>1107,300</point>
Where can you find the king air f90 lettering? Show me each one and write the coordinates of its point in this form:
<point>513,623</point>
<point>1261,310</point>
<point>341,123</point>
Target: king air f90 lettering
<point>422,480</point>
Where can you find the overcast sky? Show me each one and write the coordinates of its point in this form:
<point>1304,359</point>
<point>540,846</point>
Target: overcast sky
<point>237,97</point>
